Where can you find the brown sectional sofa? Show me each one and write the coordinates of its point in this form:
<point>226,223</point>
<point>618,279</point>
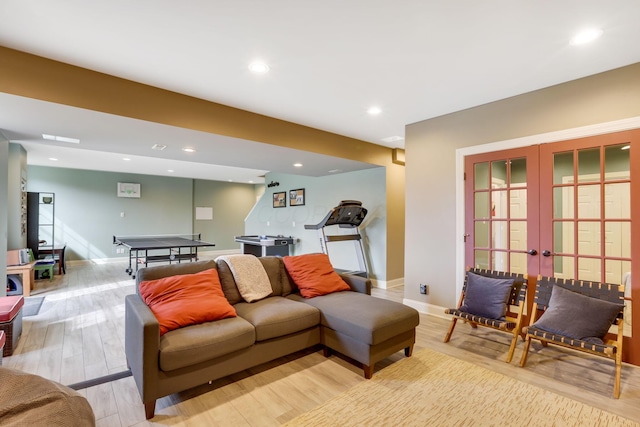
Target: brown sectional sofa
<point>362,327</point>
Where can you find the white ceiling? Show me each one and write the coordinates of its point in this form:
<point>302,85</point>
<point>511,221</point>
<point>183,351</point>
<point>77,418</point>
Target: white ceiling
<point>330,61</point>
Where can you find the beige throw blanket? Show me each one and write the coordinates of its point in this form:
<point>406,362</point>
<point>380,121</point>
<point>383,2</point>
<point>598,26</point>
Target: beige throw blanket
<point>250,276</point>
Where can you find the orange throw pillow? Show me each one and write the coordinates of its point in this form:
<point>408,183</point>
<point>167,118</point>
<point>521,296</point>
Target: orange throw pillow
<point>186,299</point>
<point>314,275</point>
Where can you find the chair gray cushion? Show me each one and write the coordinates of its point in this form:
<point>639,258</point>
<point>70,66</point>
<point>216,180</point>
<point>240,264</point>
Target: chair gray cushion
<point>198,343</point>
<point>577,316</point>
<point>277,316</point>
<point>486,296</point>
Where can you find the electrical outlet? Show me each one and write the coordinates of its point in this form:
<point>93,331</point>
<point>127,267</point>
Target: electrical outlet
<point>424,289</point>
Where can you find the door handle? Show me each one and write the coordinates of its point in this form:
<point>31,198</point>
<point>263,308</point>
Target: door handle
<point>532,252</point>
<point>546,253</point>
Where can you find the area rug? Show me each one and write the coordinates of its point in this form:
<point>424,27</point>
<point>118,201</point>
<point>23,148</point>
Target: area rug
<point>32,306</point>
<point>432,389</point>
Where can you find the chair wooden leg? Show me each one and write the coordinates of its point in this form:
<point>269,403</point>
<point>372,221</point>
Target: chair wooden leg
<point>450,331</point>
<point>616,382</point>
<point>525,351</point>
<point>512,348</point>
<point>150,409</point>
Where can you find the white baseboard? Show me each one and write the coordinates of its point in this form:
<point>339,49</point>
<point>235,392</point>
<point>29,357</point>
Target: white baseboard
<point>386,284</point>
<point>423,307</point>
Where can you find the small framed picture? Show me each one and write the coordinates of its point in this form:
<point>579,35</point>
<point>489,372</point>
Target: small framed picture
<point>296,197</point>
<point>280,200</point>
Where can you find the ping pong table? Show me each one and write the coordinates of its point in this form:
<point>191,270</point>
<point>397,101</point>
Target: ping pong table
<point>167,248</point>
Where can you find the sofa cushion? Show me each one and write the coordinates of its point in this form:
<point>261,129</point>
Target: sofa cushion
<point>249,275</point>
<point>363,317</point>
<point>187,299</point>
<point>228,283</point>
<point>277,316</point>
<point>199,343</point>
<point>273,266</point>
<point>314,275</point>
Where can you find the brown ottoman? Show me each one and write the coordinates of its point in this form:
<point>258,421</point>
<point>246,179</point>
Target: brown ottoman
<point>11,321</point>
<point>33,401</point>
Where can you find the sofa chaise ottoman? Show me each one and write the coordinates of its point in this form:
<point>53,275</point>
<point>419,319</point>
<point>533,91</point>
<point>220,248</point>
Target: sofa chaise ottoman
<point>278,322</point>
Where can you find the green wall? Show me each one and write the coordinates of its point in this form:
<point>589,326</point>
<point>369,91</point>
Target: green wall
<point>230,204</point>
<point>321,195</point>
<point>88,212</point>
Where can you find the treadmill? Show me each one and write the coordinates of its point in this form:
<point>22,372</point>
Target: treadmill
<point>348,214</point>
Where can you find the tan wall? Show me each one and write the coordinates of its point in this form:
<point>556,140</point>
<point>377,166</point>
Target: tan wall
<point>40,78</point>
<point>431,154</point>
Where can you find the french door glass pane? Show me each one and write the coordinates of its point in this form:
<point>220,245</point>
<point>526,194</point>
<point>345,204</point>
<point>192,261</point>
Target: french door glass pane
<point>499,235</point>
<point>518,203</point>
<point>499,204</point>
<point>518,235</point>
<point>588,201</point>
<point>589,165</point>
<point>481,234</point>
<point>481,259</point>
<point>563,167</point>
<point>563,203</point>
<point>481,176</point>
<point>500,261</point>
<point>589,269</point>
<point>616,162</point>
<point>563,237</point>
<point>617,200</point>
<point>518,173</point>
<point>481,205</point>
<point>589,238</point>
<point>499,174</point>
<point>617,239</point>
<point>619,272</point>
<point>564,267</point>
<point>518,263</point>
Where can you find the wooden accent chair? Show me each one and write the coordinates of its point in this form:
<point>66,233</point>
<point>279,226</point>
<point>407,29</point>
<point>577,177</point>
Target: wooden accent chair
<point>572,316</point>
<point>511,322</point>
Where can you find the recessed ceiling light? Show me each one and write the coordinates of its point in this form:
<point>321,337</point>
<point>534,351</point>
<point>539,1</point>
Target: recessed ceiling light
<point>297,165</point>
<point>158,147</point>
<point>189,150</point>
<point>251,182</point>
<point>374,111</point>
<point>170,170</point>
<point>626,147</point>
<point>258,67</point>
<point>60,138</point>
<point>230,180</point>
<point>586,36</point>
<point>53,159</point>
<point>335,170</point>
<point>126,159</point>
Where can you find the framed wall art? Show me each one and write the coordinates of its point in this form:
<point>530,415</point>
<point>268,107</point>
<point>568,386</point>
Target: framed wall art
<point>280,200</point>
<point>296,197</point>
<point>128,189</point>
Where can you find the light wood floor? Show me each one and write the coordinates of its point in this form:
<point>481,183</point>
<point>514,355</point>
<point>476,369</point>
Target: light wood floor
<point>79,335</point>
